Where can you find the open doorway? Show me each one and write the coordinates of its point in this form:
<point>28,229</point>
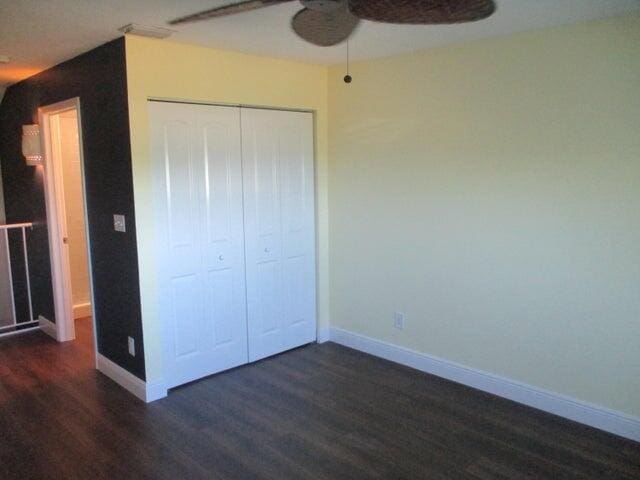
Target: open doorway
<point>67,222</point>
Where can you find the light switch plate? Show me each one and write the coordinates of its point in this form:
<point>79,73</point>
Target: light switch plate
<point>119,224</point>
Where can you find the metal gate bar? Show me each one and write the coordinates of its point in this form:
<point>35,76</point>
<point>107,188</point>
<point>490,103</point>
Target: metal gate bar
<point>15,325</point>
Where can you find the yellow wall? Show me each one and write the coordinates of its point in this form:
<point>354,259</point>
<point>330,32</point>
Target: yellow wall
<point>488,190</point>
<point>177,71</point>
<point>491,191</point>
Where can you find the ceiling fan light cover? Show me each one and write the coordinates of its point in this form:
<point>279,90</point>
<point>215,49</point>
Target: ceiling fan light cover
<point>324,29</point>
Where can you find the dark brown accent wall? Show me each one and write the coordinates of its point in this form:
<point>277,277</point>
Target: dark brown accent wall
<point>98,78</point>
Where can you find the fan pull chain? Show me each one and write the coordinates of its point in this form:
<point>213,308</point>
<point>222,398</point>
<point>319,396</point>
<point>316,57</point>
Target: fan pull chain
<point>347,77</point>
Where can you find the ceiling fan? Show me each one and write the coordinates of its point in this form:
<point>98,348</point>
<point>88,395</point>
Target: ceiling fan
<point>330,22</point>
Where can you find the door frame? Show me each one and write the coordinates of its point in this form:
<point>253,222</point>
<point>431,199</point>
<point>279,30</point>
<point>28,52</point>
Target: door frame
<point>56,223</point>
<point>316,255</point>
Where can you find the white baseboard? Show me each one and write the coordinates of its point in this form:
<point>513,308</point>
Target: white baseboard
<point>593,415</point>
<point>155,391</point>
<point>324,335</point>
<point>81,310</point>
<point>144,391</point>
<point>48,327</point>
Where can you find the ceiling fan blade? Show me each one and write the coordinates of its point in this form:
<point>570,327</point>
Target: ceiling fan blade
<point>424,12</point>
<point>324,29</point>
<point>231,9</point>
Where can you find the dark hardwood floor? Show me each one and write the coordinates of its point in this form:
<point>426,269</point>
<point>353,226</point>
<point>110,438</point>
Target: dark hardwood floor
<point>319,412</point>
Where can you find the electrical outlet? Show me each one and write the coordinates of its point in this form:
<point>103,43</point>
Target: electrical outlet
<point>132,346</point>
<point>398,320</point>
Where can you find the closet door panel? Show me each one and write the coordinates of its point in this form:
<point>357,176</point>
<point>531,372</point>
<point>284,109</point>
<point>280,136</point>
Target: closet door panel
<point>262,237</point>
<point>298,230</point>
<point>222,297</point>
<point>178,168</point>
<point>222,210</point>
<point>196,155</point>
<point>268,308</point>
<point>181,192</point>
<point>186,341</point>
<point>279,230</point>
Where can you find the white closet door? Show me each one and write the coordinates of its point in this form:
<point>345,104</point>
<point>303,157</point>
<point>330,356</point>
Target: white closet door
<point>279,219</point>
<point>196,155</point>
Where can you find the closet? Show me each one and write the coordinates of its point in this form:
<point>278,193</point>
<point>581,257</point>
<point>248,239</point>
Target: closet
<point>235,229</point>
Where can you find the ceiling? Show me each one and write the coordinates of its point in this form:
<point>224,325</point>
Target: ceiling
<point>38,34</point>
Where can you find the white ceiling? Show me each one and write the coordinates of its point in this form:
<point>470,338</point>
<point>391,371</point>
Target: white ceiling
<point>38,34</point>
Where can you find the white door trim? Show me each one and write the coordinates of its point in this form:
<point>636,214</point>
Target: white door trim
<point>56,223</point>
<point>236,105</point>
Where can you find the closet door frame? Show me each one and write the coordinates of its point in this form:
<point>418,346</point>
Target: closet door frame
<point>314,182</point>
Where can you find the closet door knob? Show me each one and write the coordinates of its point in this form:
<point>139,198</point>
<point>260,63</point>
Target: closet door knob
<point>221,257</point>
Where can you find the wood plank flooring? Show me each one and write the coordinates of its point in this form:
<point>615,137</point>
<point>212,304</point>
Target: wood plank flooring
<point>319,412</point>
